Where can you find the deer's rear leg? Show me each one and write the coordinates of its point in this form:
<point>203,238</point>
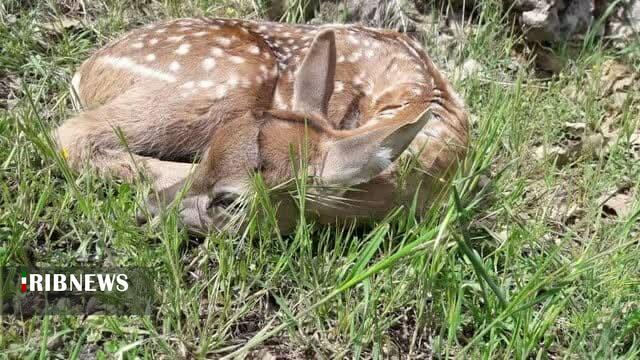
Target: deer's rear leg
<point>88,141</point>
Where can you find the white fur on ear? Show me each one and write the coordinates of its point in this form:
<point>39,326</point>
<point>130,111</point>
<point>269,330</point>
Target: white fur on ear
<point>383,158</point>
<point>359,158</point>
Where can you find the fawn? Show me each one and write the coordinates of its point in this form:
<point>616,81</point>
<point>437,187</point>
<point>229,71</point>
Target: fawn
<point>238,97</point>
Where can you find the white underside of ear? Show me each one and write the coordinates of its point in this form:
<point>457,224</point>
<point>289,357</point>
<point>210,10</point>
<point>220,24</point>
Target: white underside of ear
<point>382,158</point>
<point>358,159</point>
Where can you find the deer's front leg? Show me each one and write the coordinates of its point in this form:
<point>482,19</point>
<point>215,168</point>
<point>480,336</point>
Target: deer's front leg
<point>195,210</point>
<point>215,196</point>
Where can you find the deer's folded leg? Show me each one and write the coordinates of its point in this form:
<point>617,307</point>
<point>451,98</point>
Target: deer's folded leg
<point>87,143</point>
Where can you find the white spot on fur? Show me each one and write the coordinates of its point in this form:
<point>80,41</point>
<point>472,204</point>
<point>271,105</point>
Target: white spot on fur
<point>174,66</point>
<point>253,49</point>
<point>355,57</point>
<point>223,41</point>
<point>205,84</point>
<point>150,57</point>
<point>208,64</point>
<point>183,49</point>
<point>340,59</point>
<point>153,41</point>
<point>200,34</point>
<point>175,38</point>
<point>188,85</point>
<point>137,45</point>
<point>127,64</point>
<point>236,59</point>
<point>233,81</point>
<point>159,31</point>
<point>221,91</point>
<point>338,86</point>
<point>217,52</point>
<point>352,39</point>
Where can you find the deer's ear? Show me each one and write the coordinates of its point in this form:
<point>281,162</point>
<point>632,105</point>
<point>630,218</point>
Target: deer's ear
<point>314,80</point>
<point>359,158</point>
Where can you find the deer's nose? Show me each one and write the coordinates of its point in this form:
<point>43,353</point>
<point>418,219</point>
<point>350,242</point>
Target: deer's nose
<point>141,218</point>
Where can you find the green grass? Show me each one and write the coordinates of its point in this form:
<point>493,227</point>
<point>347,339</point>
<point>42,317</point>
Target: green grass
<point>502,269</point>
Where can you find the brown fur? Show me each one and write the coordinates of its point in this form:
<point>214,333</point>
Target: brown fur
<point>368,79</point>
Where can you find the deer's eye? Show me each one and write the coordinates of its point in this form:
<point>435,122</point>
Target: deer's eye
<point>389,110</point>
<point>223,199</point>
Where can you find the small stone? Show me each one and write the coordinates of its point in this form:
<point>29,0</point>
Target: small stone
<point>470,68</point>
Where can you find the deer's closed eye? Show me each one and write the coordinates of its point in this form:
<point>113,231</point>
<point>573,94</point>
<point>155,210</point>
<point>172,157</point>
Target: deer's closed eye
<point>223,199</point>
<point>389,110</point>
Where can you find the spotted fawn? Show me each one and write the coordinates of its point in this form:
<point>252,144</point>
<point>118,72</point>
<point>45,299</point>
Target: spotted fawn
<point>214,101</point>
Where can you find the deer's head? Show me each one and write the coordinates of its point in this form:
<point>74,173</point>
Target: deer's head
<point>276,143</point>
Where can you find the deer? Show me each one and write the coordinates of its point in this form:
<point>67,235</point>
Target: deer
<point>206,104</point>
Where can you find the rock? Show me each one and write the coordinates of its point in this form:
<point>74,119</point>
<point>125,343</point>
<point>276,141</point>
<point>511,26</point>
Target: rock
<point>624,24</point>
<point>554,20</point>
<point>576,141</point>
<point>560,20</point>
<point>617,204</point>
<point>470,68</point>
<point>618,77</point>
